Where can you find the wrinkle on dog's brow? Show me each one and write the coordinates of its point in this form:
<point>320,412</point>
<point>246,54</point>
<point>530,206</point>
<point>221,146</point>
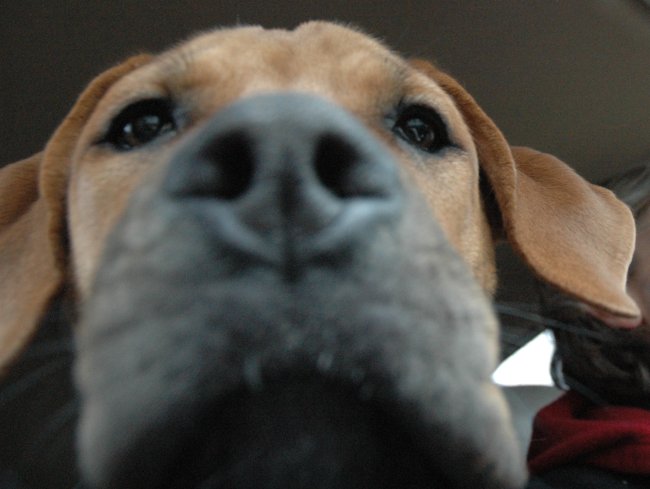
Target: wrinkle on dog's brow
<point>175,63</point>
<point>284,60</point>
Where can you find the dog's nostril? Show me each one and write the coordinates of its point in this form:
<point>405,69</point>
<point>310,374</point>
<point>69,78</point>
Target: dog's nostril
<point>337,164</point>
<point>228,167</point>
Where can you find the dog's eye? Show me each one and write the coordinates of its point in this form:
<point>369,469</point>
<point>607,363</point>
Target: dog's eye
<point>422,127</point>
<point>140,123</point>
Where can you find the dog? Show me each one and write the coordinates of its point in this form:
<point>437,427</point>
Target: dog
<point>275,253</point>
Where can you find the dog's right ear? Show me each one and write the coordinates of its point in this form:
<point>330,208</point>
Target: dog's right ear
<point>32,222</point>
<point>574,235</point>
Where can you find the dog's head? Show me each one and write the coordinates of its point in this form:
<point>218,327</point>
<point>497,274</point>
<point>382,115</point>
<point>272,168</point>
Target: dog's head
<point>282,245</point>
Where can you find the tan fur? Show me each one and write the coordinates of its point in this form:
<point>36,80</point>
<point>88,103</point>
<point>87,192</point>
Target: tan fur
<point>85,187</point>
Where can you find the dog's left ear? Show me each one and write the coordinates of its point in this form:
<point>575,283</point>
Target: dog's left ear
<point>575,235</point>
<point>32,223</point>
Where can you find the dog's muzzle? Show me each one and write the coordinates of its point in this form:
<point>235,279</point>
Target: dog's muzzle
<point>286,179</point>
<point>278,309</point>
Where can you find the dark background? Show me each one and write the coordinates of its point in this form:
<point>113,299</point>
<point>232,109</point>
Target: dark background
<point>568,77</point>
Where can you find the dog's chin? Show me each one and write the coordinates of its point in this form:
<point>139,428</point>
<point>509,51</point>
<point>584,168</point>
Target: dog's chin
<point>295,412</point>
<point>298,434</point>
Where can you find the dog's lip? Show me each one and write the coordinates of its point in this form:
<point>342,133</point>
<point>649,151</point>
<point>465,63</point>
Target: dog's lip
<point>343,230</point>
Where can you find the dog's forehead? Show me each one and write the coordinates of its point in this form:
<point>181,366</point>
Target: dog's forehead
<point>308,46</point>
<point>314,36</point>
<point>332,60</point>
<point>316,56</point>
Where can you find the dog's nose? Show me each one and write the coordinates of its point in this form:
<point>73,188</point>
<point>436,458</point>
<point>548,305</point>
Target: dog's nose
<point>286,173</point>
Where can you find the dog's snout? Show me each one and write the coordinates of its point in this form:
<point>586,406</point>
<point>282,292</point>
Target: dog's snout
<point>224,169</point>
<point>286,169</point>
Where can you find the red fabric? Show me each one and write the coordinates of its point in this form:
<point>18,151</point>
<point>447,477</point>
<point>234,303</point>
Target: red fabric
<point>574,430</point>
